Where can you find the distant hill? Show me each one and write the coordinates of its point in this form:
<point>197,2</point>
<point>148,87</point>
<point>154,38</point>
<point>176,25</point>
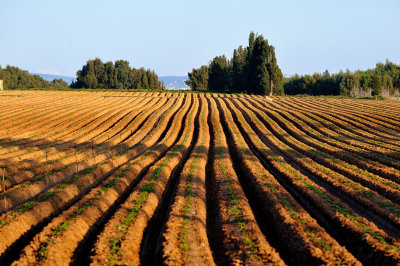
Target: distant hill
<point>170,82</point>
<point>50,77</point>
<point>174,82</point>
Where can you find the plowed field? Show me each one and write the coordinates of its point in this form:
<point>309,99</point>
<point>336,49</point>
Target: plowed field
<point>111,178</point>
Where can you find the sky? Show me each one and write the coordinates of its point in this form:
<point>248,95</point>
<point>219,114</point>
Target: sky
<point>173,37</point>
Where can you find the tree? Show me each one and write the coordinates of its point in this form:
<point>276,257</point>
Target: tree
<point>396,81</point>
<point>239,74</point>
<point>218,76</point>
<point>326,74</point>
<point>15,78</point>
<point>153,79</point>
<point>86,77</point>
<point>264,74</point>
<point>118,75</point>
<point>259,82</point>
<point>388,83</point>
<point>354,84</point>
<point>376,85</point>
<point>198,79</point>
<point>252,41</point>
<point>58,84</point>
<point>253,69</point>
<point>348,83</point>
<point>275,74</point>
<point>123,74</point>
<point>99,72</point>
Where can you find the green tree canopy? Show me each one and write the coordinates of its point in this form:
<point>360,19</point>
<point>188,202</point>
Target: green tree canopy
<point>198,79</point>
<point>58,84</point>
<point>383,77</point>
<point>118,75</point>
<point>15,78</point>
<point>218,76</point>
<point>376,85</point>
<point>252,69</point>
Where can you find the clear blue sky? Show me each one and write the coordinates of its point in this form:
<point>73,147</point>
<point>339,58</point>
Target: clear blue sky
<point>172,37</point>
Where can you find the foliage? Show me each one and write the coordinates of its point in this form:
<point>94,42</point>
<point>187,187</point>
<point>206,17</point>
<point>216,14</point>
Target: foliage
<point>198,79</point>
<point>96,74</point>
<point>15,78</point>
<point>259,79</point>
<point>253,69</point>
<point>372,82</point>
<point>218,77</point>
<point>376,85</point>
<point>58,84</point>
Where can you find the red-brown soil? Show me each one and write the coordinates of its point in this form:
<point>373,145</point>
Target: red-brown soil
<point>129,178</point>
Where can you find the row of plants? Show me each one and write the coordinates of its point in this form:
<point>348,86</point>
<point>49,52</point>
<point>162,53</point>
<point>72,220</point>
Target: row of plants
<point>34,118</point>
<point>61,167</point>
<point>243,239</point>
<point>83,154</point>
<point>68,191</point>
<point>13,135</point>
<point>145,198</point>
<point>360,114</point>
<point>103,196</point>
<point>56,127</point>
<point>352,144</point>
<point>362,168</point>
<point>355,127</point>
<point>300,236</point>
<point>303,156</point>
<point>336,217</point>
<point>185,235</point>
<point>86,156</point>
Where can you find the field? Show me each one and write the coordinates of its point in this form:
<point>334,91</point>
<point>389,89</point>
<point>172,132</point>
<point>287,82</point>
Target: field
<point>116,178</point>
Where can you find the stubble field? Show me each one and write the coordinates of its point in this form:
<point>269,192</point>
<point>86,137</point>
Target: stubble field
<point>112,178</point>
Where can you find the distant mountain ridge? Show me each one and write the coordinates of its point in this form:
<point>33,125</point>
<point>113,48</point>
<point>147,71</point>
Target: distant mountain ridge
<point>170,82</point>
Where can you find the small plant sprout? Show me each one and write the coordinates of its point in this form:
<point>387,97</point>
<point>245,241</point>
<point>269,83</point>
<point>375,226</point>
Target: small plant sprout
<point>76,162</point>
<point>4,188</point>
<point>93,155</point>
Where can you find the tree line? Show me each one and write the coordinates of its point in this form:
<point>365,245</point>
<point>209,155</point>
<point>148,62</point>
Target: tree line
<point>15,78</point>
<point>94,75</point>
<point>252,70</point>
<point>118,75</point>
<point>383,80</point>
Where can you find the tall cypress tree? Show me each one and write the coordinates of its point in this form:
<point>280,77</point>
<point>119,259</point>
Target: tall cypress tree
<point>253,69</point>
<point>218,77</point>
<point>376,85</point>
<point>252,41</point>
<point>275,73</point>
<point>238,72</point>
<point>259,82</point>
